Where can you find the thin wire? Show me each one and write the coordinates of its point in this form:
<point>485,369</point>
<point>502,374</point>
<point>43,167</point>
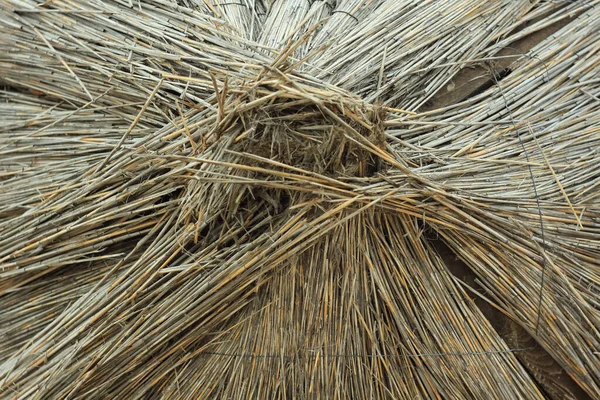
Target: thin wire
<point>537,200</point>
<point>231,4</point>
<point>345,12</point>
<point>404,355</point>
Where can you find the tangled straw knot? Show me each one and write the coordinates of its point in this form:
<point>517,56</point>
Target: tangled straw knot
<point>294,121</point>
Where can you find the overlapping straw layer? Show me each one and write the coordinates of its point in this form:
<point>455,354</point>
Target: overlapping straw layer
<point>230,200</point>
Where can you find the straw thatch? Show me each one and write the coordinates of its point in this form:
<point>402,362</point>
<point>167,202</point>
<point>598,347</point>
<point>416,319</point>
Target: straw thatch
<point>204,199</point>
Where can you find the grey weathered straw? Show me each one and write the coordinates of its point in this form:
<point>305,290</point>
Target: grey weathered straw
<point>236,199</point>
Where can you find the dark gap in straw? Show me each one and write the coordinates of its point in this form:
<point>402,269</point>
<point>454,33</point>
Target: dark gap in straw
<point>499,75</point>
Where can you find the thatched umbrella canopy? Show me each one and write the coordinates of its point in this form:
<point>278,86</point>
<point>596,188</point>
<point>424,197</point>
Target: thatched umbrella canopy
<point>211,199</point>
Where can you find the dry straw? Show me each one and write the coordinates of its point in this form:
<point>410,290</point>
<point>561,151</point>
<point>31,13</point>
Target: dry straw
<point>203,199</point>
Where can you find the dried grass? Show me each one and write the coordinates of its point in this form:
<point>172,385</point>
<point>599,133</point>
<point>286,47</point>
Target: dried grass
<point>229,200</point>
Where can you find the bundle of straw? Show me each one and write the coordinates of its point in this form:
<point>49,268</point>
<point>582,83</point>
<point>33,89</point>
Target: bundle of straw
<point>203,199</point>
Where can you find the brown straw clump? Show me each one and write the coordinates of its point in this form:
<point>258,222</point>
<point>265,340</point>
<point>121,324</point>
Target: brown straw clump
<point>294,121</point>
<point>202,199</point>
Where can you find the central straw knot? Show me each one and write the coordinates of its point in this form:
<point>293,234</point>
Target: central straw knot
<point>299,121</point>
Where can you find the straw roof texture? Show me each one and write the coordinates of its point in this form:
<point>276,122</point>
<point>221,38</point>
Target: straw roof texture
<point>204,199</point>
